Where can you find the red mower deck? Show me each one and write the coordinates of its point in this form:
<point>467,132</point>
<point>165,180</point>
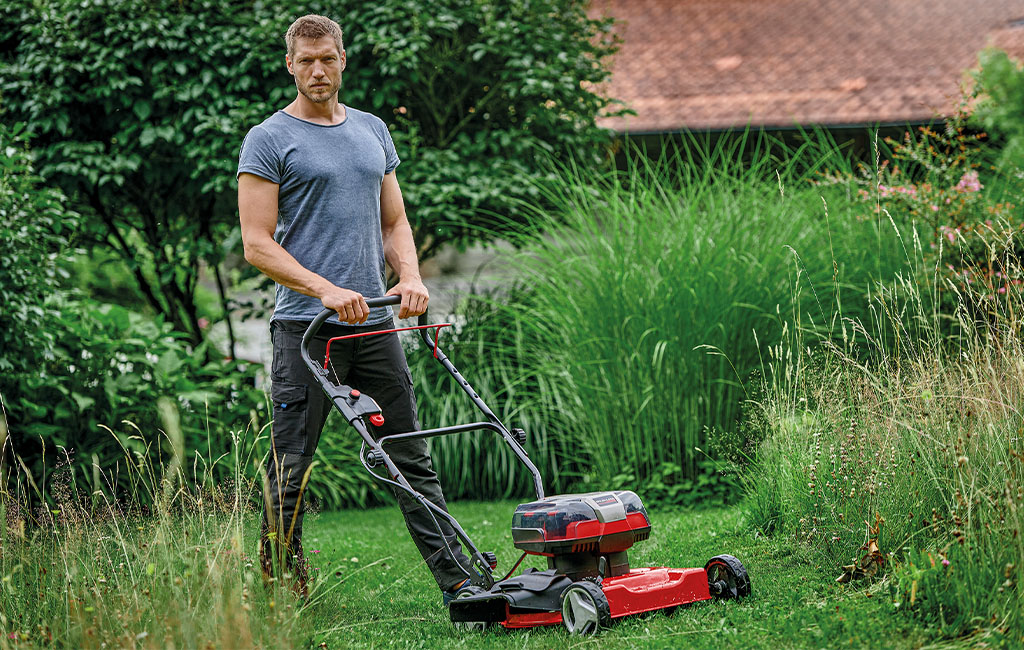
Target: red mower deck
<point>639,591</point>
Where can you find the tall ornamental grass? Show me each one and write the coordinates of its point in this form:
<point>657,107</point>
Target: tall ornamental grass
<point>912,427</point>
<point>642,297</point>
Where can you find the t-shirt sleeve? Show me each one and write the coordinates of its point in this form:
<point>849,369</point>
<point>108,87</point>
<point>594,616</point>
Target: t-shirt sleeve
<point>259,156</point>
<point>391,159</point>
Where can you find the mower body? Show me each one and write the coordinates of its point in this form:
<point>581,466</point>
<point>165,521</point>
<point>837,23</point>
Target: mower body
<point>585,537</point>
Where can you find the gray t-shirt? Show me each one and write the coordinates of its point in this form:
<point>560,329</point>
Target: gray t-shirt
<point>329,201</point>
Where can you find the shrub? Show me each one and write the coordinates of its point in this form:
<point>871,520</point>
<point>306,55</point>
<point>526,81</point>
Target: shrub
<point>999,109</point>
<point>36,228</point>
<point>930,185</point>
<point>97,396</point>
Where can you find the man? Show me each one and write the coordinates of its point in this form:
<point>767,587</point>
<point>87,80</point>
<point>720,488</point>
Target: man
<point>321,211</point>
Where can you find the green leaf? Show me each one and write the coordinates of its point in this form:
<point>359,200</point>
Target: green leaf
<point>169,363</point>
<point>142,109</point>
<point>148,136</point>
<point>82,401</point>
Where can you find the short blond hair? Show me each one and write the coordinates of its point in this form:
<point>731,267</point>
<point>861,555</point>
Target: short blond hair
<point>313,26</point>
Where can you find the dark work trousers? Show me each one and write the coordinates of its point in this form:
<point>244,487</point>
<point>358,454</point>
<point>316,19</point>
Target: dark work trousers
<point>376,366</point>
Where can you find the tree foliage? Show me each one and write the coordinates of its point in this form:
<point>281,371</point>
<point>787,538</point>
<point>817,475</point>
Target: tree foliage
<point>36,227</point>
<point>1000,107</point>
<point>137,110</point>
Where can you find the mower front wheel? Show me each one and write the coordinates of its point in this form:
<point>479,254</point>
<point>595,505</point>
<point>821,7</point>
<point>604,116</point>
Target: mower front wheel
<point>727,577</point>
<point>585,608</point>
<point>471,626</point>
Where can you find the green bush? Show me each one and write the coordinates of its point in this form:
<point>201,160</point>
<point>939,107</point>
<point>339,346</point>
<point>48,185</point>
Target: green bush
<point>85,376</point>
<point>930,185</point>
<point>999,110</point>
<point>36,228</point>
<point>97,396</point>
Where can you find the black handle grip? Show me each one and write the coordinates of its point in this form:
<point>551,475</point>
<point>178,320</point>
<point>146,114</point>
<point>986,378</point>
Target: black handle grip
<point>322,317</point>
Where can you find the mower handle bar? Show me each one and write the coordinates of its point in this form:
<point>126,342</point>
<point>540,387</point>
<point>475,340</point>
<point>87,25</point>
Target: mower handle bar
<point>395,477</point>
<point>322,376</point>
<point>322,317</point>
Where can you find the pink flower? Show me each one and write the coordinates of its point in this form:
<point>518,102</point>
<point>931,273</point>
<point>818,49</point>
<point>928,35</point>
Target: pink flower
<point>945,562</point>
<point>969,182</point>
<point>935,208</point>
<point>1001,289</point>
<point>316,550</point>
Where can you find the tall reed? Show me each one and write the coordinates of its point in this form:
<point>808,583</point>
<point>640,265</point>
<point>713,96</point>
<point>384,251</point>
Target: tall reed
<point>631,331</point>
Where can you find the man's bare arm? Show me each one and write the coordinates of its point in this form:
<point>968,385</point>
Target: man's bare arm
<point>257,211</point>
<point>400,249</point>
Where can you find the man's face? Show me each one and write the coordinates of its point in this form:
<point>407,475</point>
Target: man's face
<point>316,65</point>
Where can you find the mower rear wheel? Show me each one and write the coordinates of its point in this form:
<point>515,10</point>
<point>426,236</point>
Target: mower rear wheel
<point>471,626</point>
<point>727,577</point>
<point>585,608</point>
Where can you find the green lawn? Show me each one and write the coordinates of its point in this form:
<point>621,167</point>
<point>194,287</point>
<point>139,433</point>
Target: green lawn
<point>374,592</point>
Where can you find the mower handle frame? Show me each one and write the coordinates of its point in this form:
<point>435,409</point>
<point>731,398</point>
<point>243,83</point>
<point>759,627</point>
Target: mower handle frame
<point>354,408</point>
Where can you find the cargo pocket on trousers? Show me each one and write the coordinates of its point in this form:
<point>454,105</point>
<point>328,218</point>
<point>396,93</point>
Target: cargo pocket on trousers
<point>290,407</point>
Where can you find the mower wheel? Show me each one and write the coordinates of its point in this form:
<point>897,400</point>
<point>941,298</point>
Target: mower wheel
<point>471,626</point>
<point>727,578</point>
<point>585,608</point>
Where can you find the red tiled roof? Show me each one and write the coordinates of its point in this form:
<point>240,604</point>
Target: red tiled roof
<point>701,64</point>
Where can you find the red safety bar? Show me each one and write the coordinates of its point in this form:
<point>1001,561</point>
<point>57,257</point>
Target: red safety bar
<point>437,335</point>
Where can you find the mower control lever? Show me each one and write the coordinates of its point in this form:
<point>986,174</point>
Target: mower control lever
<point>322,317</point>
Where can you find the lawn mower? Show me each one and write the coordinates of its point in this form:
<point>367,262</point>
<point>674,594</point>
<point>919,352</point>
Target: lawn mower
<point>585,537</point>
